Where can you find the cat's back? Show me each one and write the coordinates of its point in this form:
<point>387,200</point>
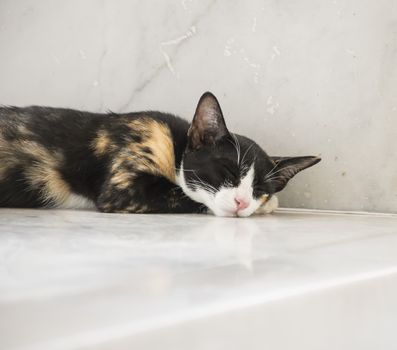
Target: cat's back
<point>40,123</point>
<point>49,124</point>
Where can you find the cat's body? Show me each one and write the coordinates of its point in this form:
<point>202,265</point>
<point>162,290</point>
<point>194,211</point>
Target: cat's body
<point>146,162</point>
<point>65,158</point>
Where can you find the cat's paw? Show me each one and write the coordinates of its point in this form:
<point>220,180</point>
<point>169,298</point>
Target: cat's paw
<point>269,207</point>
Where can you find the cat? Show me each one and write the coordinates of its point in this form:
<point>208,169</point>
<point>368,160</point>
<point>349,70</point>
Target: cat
<point>144,162</point>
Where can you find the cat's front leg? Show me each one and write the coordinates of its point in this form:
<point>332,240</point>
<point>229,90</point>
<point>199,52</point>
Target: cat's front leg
<point>145,193</point>
<point>269,207</point>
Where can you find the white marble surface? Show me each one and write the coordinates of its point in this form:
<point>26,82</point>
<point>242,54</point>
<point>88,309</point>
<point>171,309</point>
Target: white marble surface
<point>300,77</point>
<point>302,280</point>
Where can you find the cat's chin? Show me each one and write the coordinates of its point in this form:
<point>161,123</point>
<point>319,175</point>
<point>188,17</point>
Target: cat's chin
<point>244,214</point>
<point>230,214</point>
<point>222,213</point>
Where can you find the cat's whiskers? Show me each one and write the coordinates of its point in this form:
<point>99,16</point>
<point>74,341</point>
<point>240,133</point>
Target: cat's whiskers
<point>237,146</point>
<point>179,169</point>
<point>196,186</point>
<point>274,178</point>
<point>227,183</point>
<point>275,172</point>
<point>207,185</point>
<point>243,168</point>
<point>201,184</point>
<point>282,169</point>
<point>270,172</point>
<point>244,155</point>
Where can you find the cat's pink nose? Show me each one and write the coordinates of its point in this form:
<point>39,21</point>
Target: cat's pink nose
<point>241,203</point>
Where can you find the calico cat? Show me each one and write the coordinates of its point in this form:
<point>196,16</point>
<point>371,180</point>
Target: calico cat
<point>145,162</point>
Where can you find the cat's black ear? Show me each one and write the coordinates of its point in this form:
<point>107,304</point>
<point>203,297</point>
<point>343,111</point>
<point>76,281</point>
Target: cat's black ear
<point>277,159</point>
<point>286,168</point>
<point>208,125</point>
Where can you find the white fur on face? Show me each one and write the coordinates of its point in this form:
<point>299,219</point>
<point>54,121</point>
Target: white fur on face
<point>222,202</point>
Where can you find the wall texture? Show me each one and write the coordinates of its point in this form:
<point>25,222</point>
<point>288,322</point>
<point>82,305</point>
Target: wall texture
<point>299,77</point>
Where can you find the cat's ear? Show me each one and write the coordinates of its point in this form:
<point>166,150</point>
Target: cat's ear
<point>277,159</point>
<point>208,125</point>
<point>286,168</point>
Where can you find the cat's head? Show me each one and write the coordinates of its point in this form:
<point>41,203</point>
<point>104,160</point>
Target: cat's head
<point>227,172</point>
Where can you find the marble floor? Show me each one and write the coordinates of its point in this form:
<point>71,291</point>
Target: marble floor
<point>290,280</point>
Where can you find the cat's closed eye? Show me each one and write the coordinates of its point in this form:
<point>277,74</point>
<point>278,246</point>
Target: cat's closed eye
<point>231,173</point>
